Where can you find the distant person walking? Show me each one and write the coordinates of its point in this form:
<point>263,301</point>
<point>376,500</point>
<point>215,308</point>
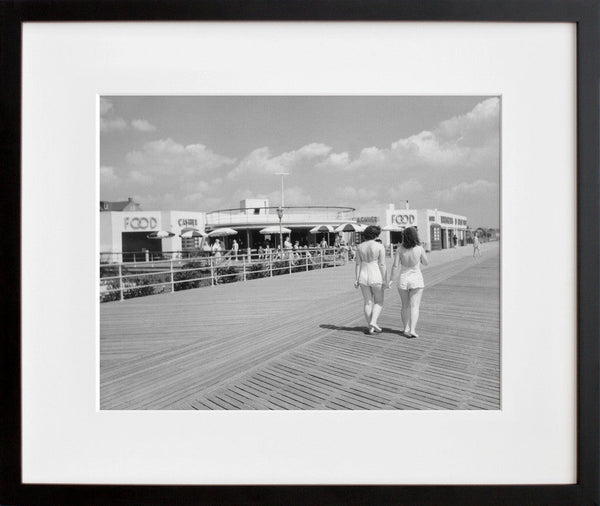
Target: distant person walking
<point>235,247</point>
<point>287,249</point>
<point>409,257</point>
<point>206,248</point>
<point>370,274</point>
<point>217,248</point>
<point>476,246</point>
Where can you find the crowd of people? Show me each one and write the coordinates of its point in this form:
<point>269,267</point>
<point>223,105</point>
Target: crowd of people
<point>294,251</point>
<point>298,250</point>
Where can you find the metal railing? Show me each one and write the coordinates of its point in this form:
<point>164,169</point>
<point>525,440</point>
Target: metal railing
<point>124,280</point>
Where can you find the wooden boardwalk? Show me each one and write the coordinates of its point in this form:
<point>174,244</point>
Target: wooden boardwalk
<point>297,342</point>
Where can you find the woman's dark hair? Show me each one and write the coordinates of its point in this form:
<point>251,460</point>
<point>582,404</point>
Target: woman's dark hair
<point>410,238</point>
<point>371,232</point>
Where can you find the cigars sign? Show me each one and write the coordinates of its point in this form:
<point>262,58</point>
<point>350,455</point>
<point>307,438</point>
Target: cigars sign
<point>405,219</point>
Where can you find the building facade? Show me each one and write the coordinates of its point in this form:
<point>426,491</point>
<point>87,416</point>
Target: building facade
<point>124,234</point>
<point>255,215</point>
<point>437,229</point>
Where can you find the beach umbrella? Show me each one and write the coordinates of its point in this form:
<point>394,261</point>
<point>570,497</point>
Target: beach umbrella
<point>222,232</point>
<point>188,233</point>
<point>321,228</point>
<point>275,230</point>
<point>350,227</point>
<point>161,234</point>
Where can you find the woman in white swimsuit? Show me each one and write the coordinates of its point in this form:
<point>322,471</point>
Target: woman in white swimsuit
<point>370,275</point>
<point>409,257</point>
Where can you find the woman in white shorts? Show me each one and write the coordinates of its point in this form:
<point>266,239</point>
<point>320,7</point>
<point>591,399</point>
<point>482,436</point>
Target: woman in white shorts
<point>370,275</point>
<point>409,257</point>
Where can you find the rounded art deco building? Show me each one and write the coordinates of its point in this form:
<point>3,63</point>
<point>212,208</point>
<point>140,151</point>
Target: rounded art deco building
<point>256,215</point>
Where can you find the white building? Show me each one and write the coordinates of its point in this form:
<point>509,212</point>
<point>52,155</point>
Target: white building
<point>124,234</point>
<point>436,228</point>
<point>253,215</point>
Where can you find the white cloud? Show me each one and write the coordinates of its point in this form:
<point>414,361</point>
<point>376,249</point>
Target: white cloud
<point>170,175</point>
<point>108,176</point>
<point>112,124</point>
<point>314,150</point>
<point>194,177</point>
<point>294,196</point>
<point>406,190</point>
<point>203,193</point>
<point>108,121</point>
<point>137,177</point>
<point>335,162</point>
<point>351,196</point>
<point>165,156</point>
<point>474,127</point>
<point>426,147</point>
<point>260,161</point>
<point>467,140</point>
<point>142,125</point>
<point>257,161</point>
<point>479,189</point>
<point>105,106</point>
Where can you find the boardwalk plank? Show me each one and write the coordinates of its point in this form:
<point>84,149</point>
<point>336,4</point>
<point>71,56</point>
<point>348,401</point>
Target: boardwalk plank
<point>284,344</point>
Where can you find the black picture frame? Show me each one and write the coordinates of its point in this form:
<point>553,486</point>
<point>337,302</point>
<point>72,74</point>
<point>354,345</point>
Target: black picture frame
<point>585,13</point>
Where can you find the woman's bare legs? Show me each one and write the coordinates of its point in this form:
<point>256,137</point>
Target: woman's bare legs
<point>405,310</point>
<point>377,291</point>
<point>415,302</point>
<point>368,300</point>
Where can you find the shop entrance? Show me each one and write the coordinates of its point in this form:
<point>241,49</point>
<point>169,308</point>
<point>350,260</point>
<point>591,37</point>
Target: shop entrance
<point>444,234</point>
<point>436,237</point>
<point>135,244</point>
<point>395,237</point>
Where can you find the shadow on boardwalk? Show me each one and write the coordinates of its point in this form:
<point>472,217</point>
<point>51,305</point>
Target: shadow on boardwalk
<point>299,342</point>
<point>362,329</point>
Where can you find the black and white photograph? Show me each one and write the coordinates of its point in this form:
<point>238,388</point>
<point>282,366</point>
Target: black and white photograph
<point>287,252</point>
<point>265,255</point>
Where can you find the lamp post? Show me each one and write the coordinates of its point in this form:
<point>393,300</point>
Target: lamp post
<point>280,215</point>
<point>282,174</point>
<point>280,210</point>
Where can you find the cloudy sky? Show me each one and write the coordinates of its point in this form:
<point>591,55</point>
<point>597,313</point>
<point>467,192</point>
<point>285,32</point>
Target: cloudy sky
<point>208,153</point>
